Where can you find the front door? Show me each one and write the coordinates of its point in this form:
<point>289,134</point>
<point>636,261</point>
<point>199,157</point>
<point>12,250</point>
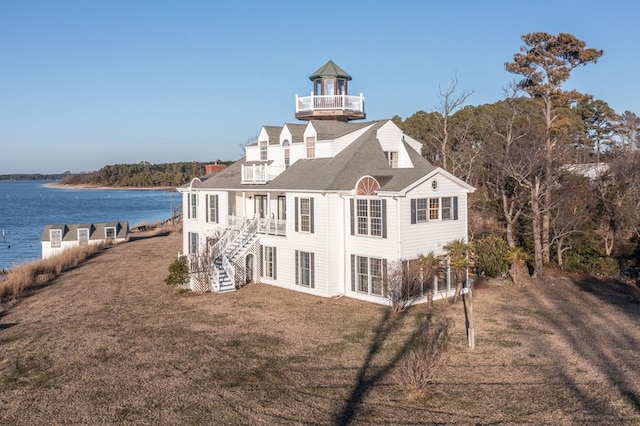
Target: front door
<point>282,207</point>
<point>261,206</point>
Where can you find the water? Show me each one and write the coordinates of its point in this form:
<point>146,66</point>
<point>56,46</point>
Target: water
<point>27,206</point>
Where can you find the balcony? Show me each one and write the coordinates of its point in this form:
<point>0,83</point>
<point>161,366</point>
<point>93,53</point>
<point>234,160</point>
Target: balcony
<point>259,173</point>
<point>330,107</point>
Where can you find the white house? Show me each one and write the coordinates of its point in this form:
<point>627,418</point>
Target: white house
<point>322,207</point>
<point>58,238</point>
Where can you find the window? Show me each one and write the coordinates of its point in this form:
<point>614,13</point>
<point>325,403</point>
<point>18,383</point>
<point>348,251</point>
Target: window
<point>421,209</point>
<point>392,158</point>
<point>311,147</point>
<point>367,275</point>
<point>56,238</point>
<point>287,158</point>
<point>369,217</point>
<point>263,150</point>
<point>193,206</point>
<point>193,242</point>
<point>304,215</point>
<point>434,208</point>
<point>304,262</point>
<point>212,211</point>
<point>446,208</point>
<point>269,262</point>
<point>426,209</point>
<point>110,233</point>
<point>83,236</point>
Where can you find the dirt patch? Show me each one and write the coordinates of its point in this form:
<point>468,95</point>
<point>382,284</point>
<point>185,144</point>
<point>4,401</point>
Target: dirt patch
<point>109,342</point>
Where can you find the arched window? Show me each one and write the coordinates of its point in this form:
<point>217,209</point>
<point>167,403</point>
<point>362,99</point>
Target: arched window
<point>367,186</point>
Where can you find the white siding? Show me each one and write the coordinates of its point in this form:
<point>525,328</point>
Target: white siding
<point>432,235</point>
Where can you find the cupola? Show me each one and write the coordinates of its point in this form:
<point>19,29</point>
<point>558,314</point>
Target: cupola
<point>330,99</point>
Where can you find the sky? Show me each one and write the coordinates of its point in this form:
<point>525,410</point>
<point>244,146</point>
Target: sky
<point>88,83</point>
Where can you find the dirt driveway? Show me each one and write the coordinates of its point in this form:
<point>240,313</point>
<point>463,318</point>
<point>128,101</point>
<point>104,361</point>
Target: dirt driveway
<point>110,343</point>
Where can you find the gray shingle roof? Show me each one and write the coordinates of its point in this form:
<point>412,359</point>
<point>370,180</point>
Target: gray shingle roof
<point>331,129</point>
<point>364,156</point>
<point>297,131</point>
<point>96,230</point>
<point>274,134</point>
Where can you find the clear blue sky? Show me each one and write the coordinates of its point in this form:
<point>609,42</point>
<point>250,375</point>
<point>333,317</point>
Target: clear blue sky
<point>87,83</point>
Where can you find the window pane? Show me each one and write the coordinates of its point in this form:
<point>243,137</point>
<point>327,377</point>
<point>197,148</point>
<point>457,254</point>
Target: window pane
<point>305,215</point>
<point>446,208</point>
<point>434,208</point>
<point>363,274</point>
<point>421,210</point>
<point>376,276</point>
<point>376,217</point>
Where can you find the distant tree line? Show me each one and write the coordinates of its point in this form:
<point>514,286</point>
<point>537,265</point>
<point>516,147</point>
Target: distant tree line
<point>141,175</point>
<point>31,176</point>
<point>557,172</point>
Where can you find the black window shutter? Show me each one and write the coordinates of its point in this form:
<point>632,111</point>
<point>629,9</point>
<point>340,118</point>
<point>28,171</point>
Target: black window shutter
<point>261,262</point>
<point>275,268</point>
<point>296,219</point>
<point>297,269</point>
<point>311,214</point>
<point>352,219</point>
<point>217,209</point>
<point>455,208</point>
<point>312,278</point>
<point>207,208</point>
<point>413,210</point>
<point>353,272</point>
<point>384,218</point>
<point>384,277</point>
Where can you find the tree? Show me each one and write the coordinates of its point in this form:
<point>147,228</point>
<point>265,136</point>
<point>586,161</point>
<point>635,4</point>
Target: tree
<point>599,123</point>
<point>440,139</point>
<point>628,129</point>
<point>546,62</point>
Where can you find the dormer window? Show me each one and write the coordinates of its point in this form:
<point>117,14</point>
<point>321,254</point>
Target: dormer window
<point>311,147</point>
<point>392,158</point>
<point>263,150</point>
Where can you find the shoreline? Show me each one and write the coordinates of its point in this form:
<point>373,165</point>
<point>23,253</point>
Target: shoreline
<point>91,186</point>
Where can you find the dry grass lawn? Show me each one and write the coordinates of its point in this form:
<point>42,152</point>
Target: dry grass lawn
<point>110,343</point>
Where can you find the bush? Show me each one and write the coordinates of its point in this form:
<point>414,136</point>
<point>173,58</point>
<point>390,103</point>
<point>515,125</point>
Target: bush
<point>178,272</point>
<point>587,257</point>
<point>426,352</point>
<point>492,256</point>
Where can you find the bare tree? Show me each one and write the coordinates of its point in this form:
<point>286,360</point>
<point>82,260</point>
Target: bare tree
<point>450,101</point>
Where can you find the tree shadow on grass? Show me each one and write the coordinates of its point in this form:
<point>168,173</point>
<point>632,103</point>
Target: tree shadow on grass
<point>369,374</point>
<point>597,320</point>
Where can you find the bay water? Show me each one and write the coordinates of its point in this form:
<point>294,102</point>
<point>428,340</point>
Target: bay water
<point>27,206</point>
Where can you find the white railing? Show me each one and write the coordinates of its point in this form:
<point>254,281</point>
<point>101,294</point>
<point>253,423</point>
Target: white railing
<point>229,269</point>
<point>255,173</point>
<point>330,102</point>
<point>245,235</point>
<point>272,227</point>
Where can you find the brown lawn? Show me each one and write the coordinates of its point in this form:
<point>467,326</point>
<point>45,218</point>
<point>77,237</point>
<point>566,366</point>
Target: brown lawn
<point>110,343</point>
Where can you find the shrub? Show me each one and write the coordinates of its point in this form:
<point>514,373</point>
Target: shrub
<point>178,272</point>
<point>425,353</point>
<point>587,257</point>
<point>30,275</point>
<point>492,259</point>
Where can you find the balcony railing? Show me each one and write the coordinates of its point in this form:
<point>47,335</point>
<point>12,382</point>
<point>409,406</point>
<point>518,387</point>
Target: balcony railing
<point>330,102</point>
<point>260,173</point>
<point>272,226</point>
